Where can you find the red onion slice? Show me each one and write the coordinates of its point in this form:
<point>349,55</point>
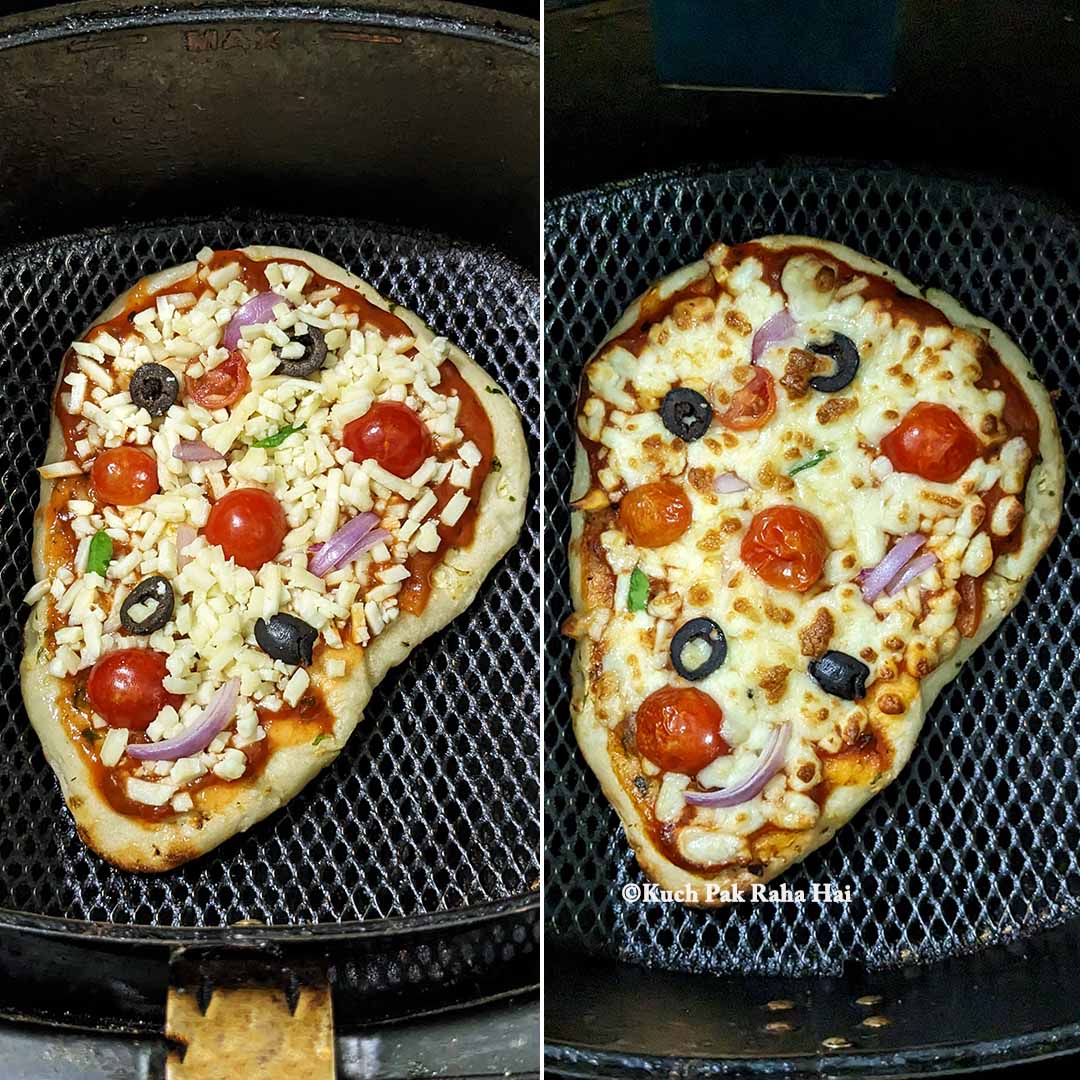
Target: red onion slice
<point>779,328</point>
<point>772,758</point>
<point>919,565</point>
<point>728,483</point>
<point>259,309</point>
<point>199,735</point>
<point>195,450</point>
<point>185,534</point>
<point>876,581</point>
<point>352,538</point>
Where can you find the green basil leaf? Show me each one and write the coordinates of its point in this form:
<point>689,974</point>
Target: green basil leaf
<point>100,554</point>
<point>638,597</point>
<point>815,458</point>
<point>319,738</point>
<point>275,440</point>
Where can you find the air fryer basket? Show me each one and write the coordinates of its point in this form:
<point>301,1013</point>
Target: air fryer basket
<point>406,873</point>
<point>432,805</point>
<point>959,868</point>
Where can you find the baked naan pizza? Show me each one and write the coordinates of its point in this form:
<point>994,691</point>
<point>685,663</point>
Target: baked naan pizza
<point>264,486</point>
<point>805,492</point>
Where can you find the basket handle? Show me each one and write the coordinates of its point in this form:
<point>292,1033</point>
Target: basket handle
<point>249,1031</point>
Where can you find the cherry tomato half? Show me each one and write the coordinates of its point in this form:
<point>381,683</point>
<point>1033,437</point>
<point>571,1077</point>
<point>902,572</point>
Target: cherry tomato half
<point>655,514</point>
<point>125,688</point>
<point>124,476</point>
<point>391,434</point>
<point>785,547</point>
<point>222,386</point>
<point>679,729</point>
<point>753,405</point>
<point>249,525</point>
<point>931,442</point>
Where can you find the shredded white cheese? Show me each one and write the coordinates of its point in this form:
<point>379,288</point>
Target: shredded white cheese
<point>210,636</point>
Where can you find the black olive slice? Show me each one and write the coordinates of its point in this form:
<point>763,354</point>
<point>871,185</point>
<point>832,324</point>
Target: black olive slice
<point>156,592</point>
<point>844,354</point>
<point>700,629</point>
<point>314,355</point>
<point>155,388</point>
<point>686,413</point>
<point>840,675</point>
<point>285,637</point>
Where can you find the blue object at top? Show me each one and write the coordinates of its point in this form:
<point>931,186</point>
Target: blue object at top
<point>819,46</point>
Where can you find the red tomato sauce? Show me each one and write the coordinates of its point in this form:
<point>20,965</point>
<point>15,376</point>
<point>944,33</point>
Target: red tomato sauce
<point>1021,419</point>
<point>311,718</point>
<point>286,727</point>
<point>475,425</point>
<point>898,304</point>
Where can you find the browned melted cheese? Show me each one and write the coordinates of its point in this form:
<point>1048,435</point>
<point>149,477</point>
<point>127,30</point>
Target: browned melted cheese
<point>867,754</point>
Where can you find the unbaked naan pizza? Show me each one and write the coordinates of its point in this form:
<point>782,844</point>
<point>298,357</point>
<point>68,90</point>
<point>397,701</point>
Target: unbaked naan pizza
<point>264,487</point>
<point>805,492</point>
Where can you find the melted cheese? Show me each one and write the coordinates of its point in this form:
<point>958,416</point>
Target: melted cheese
<point>862,503</point>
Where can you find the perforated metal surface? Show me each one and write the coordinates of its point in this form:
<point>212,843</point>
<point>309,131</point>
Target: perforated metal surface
<point>432,806</point>
<point>976,842</point>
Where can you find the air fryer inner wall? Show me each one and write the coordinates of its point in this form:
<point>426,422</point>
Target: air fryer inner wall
<point>414,113</point>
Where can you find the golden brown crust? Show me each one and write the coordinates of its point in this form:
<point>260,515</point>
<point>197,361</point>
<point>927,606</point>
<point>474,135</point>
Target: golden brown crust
<point>896,709</point>
<point>140,845</point>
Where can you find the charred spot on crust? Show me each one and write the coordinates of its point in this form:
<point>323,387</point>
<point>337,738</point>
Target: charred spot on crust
<point>814,639</point>
<point>891,704</point>
<point>773,681</point>
<point>798,371</point>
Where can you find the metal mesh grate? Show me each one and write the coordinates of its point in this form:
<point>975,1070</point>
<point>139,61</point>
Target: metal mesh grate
<point>976,842</point>
<point>432,805</point>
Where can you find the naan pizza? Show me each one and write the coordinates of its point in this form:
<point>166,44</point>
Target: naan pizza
<point>805,492</point>
<point>264,487</point>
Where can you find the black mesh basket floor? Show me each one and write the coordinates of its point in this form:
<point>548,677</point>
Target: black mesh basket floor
<point>976,842</point>
<point>432,806</point>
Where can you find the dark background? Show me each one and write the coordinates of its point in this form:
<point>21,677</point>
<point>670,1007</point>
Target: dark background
<point>530,8</point>
<point>986,87</point>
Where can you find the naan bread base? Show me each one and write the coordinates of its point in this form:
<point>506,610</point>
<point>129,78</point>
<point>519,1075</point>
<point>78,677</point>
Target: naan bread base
<point>1003,588</point>
<point>139,845</point>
